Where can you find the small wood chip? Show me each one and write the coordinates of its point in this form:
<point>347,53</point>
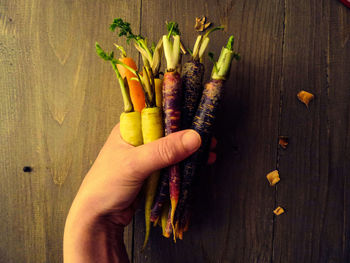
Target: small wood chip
<point>305,97</point>
<point>283,141</point>
<point>200,25</point>
<point>273,177</point>
<point>278,211</point>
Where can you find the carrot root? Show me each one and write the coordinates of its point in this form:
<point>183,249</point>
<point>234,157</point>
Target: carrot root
<point>130,128</point>
<point>152,129</point>
<point>203,123</point>
<point>161,197</point>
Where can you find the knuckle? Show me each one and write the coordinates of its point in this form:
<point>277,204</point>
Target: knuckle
<point>167,152</point>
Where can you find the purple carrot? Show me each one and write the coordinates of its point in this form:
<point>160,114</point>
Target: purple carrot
<point>203,124</point>
<point>172,106</point>
<point>161,197</point>
<point>172,112</point>
<point>192,76</point>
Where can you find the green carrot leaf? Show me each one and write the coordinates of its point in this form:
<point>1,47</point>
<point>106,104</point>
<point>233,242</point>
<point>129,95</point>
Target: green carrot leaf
<point>123,26</point>
<point>230,43</point>
<point>173,29</point>
<point>124,29</point>
<point>102,53</point>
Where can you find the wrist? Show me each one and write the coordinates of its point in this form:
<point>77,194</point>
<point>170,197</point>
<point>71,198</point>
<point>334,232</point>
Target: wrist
<point>92,238</point>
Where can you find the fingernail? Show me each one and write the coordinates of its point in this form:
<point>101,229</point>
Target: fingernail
<point>191,140</point>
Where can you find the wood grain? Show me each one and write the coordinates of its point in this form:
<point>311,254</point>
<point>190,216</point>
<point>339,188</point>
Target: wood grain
<point>314,171</point>
<point>59,102</point>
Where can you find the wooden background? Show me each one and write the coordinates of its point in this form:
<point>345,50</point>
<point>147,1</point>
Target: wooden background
<point>59,101</point>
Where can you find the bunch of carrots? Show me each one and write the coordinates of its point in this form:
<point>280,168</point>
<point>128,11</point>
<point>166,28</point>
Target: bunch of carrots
<point>154,107</point>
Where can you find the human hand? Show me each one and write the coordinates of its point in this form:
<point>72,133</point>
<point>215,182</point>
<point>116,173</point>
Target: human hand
<point>105,200</point>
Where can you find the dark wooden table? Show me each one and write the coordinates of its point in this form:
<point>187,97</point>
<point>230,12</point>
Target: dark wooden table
<point>58,103</point>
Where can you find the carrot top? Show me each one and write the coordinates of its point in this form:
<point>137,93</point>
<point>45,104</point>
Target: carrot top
<point>221,68</point>
<point>151,56</point>
<point>172,49</point>
<point>201,44</point>
<point>128,107</point>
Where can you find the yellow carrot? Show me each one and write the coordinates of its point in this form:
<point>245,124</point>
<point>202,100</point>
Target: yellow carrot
<point>130,127</point>
<point>152,129</point>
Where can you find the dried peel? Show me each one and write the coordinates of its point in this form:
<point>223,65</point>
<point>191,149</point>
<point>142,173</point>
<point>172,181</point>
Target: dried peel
<point>278,211</point>
<point>200,25</point>
<point>305,97</point>
<point>283,141</point>
<point>273,177</point>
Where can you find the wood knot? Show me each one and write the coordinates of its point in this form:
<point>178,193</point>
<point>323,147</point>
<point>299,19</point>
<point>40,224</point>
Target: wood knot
<point>27,169</point>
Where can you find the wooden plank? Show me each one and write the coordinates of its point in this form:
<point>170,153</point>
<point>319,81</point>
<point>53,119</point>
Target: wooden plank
<point>233,220</point>
<point>314,168</point>
<point>58,103</point>
<point>335,239</point>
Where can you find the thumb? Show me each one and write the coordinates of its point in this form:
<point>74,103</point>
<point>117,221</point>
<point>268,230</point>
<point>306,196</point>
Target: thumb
<point>165,151</point>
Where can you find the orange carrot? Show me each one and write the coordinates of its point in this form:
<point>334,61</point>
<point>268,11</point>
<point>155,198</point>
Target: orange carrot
<point>136,93</point>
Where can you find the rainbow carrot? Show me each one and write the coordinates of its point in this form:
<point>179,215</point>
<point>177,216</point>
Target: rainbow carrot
<point>152,129</point>
<point>152,115</point>
<point>172,106</point>
<point>203,124</point>
<point>151,123</point>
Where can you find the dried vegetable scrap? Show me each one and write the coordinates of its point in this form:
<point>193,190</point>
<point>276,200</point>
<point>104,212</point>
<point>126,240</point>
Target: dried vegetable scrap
<point>273,177</point>
<point>278,211</point>
<point>283,141</point>
<point>305,97</point>
<point>154,107</point>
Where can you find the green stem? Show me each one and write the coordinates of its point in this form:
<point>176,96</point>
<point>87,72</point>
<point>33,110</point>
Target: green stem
<point>230,43</point>
<point>128,107</point>
<point>148,81</point>
<point>143,45</point>
<point>171,31</point>
<point>223,65</point>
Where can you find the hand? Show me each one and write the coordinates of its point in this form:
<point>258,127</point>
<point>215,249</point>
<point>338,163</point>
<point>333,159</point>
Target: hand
<point>104,203</point>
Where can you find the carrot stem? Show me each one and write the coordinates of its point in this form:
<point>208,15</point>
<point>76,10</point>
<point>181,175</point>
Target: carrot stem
<point>222,68</point>
<point>202,42</point>
<point>128,107</point>
<point>172,49</point>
